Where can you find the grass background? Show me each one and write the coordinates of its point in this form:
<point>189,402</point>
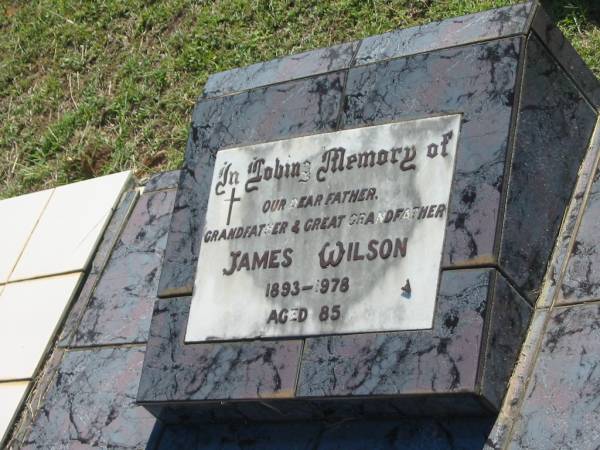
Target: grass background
<point>94,87</point>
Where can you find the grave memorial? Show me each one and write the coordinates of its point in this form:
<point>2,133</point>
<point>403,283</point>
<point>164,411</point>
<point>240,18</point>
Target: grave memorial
<point>362,230</point>
<point>389,243</point>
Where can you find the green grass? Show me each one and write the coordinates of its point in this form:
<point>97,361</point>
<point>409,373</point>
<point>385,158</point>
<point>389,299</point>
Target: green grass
<point>93,87</point>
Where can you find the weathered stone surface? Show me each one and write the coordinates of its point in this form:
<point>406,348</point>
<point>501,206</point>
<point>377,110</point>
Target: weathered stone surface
<point>358,293</point>
<point>120,308</point>
<point>91,403</point>
<point>553,117</point>
<point>109,238</point>
<point>554,274</point>
<point>582,278</point>
<point>304,106</point>
<point>560,408</point>
<point>215,371</point>
<point>566,55</point>
<point>478,81</point>
<point>495,23</point>
<point>307,64</point>
<point>518,382</point>
<point>441,360</point>
<point>163,180</point>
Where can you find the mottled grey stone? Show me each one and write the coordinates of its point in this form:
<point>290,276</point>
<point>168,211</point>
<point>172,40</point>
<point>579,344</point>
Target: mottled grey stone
<point>554,127</point>
<point>566,55</point>
<point>120,308</point>
<point>554,274</point>
<point>477,81</point>
<point>518,382</point>
<point>495,23</point>
<point>442,360</point>
<point>406,434</point>
<point>163,180</point>
<point>90,403</point>
<point>307,64</point>
<point>291,109</point>
<point>560,408</point>
<point>508,323</point>
<point>215,371</point>
<point>109,238</point>
<point>582,277</point>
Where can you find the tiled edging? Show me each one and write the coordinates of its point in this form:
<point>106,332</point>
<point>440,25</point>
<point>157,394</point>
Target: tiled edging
<point>547,406</point>
<point>49,274</point>
<point>85,394</point>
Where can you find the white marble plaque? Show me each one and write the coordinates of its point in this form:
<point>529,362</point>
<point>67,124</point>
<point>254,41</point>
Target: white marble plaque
<point>332,233</point>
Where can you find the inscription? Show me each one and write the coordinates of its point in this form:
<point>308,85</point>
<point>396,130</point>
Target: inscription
<point>332,233</point>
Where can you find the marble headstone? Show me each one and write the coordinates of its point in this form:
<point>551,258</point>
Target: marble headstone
<point>284,300</point>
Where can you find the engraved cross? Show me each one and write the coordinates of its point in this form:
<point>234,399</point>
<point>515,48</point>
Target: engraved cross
<point>231,201</point>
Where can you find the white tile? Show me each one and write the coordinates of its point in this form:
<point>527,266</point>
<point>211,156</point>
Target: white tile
<point>70,227</point>
<point>30,312</point>
<point>18,217</point>
<point>11,395</point>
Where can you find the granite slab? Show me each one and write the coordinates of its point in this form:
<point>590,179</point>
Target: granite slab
<point>305,106</point>
<point>560,407</point>
<point>109,238</point>
<point>566,55</point>
<point>555,274</point>
<point>479,82</point>
<point>553,117</point>
<point>307,64</point>
<point>91,403</point>
<point>472,28</point>
<point>582,277</point>
<point>175,371</point>
<point>445,359</point>
<point>120,307</point>
<point>162,180</point>
<point>508,323</point>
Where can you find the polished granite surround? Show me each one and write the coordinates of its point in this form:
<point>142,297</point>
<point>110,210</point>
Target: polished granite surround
<point>573,332</point>
<point>514,95</point>
<point>334,377</point>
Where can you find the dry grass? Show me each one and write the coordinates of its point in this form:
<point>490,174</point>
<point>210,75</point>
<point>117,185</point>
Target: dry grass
<point>90,88</point>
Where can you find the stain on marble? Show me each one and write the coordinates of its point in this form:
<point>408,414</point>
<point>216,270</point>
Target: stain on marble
<point>91,403</point>
<point>120,307</point>
<point>109,238</point>
<point>306,106</point>
<point>560,408</point>
<point>477,81</point>
<point>230,370</point>
<point>307,64</point>
<point>492,24</point>
<point>442,360</point>
<point>553,117</point>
